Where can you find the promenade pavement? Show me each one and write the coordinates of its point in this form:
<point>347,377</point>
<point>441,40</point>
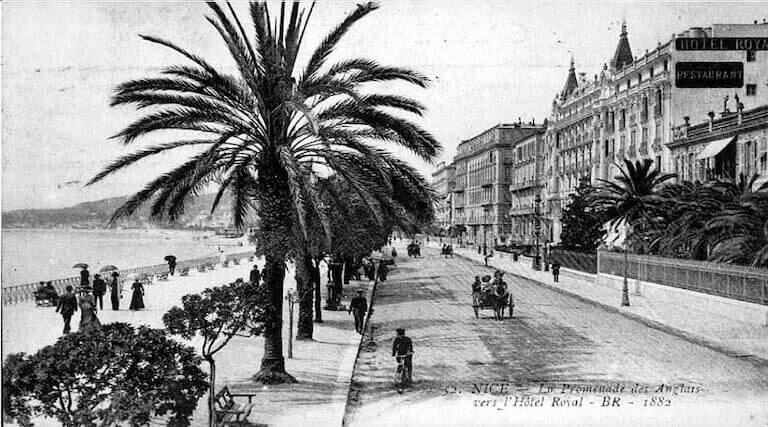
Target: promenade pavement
<point>726,334</point>
<point>323,366</point>
<point>538,361</point>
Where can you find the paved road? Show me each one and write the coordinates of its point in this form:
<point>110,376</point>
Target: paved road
<point>571,361</point>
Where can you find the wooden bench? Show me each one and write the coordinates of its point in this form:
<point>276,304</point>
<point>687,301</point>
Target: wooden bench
<point>236,261</point>
<point>202,268</point>
<point>184,272</point>
<point>250,258</point>
<point>225,263</point>
<point>162,277</point>
<point>229,412</point>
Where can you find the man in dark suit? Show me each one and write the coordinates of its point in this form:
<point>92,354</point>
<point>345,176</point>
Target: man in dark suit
<point>67,307</point>
<point>402,346</point>
<point>99,289</point>
<point>359,306</point>
<point>255,275</point>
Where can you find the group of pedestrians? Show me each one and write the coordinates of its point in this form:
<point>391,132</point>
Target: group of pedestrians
<point>91,299</point>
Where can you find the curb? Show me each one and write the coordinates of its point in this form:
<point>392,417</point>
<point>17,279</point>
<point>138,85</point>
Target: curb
<point>366,331</point>
<point>693,339</point>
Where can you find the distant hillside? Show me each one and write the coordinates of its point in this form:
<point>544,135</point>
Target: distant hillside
<point>97,214</point>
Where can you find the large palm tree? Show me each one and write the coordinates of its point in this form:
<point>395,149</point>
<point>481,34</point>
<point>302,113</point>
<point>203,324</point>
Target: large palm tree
<point>266,131</point>
<point>627,200</point>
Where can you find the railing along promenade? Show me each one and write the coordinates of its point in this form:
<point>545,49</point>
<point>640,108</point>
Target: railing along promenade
<point>26,292</point>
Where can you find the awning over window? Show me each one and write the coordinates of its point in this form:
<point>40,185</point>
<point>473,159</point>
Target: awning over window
<point>715,147</point>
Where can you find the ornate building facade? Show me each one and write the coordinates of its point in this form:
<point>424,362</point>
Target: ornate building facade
<point>627,111</point>
<point>442,182</point>
<point>484,166</point>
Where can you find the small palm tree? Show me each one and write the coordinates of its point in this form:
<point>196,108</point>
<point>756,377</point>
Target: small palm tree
<point>627,200</point>
<point>740,229</point>
<point>677,222</point>
<point>265,132</point>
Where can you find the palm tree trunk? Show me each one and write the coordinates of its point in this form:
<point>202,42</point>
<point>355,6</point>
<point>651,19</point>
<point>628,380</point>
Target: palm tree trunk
<point>272,363</point>
<point>276,222</point>
<point>304,281</point>
<point>318,291</point>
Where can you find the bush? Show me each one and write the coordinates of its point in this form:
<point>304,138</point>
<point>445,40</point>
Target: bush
<point>116,374</point>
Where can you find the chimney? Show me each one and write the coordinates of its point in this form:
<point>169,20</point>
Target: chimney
<point>711,115</point>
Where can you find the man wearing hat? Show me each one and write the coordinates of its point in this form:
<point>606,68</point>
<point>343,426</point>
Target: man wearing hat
<point>359,306</point>
<point>67,307</point>
<point>99,289</point>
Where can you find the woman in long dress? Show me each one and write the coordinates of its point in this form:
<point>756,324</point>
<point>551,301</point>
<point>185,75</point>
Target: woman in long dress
<point>88,319</point>
<point>137,300</point>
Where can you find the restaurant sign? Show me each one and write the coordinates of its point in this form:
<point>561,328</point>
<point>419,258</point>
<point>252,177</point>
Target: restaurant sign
<point>709,74</point>
<point>722,43</point>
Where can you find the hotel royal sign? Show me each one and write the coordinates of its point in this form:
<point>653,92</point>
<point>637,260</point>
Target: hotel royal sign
<point>714,74</point>
<point>709,74</point>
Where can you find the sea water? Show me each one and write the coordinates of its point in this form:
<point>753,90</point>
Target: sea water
<point>33,255</point>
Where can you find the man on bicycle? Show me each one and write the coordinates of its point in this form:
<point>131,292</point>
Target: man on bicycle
<point>402,348</point>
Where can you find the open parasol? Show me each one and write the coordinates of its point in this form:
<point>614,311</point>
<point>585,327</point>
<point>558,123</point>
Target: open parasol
<point>80,265</point>
<point>109,267</point>
<point>170,257</point>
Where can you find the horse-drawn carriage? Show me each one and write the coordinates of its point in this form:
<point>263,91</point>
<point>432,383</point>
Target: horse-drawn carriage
<point>46,297</point>
<point>414,249</point>
<point>447,251</point>
<point>493,296</point>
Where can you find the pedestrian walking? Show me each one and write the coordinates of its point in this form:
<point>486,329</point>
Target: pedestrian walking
<point>358,307</point>
<point>88,319</point>
<point>115,293</point>
<point>255,277</point>
<point>556,271</point>
<point>383,271</point>
<point>85,277</point>
<point>99,289</point>
<point>67,307</point>
<point>490,254</point>
<point>171,264</point>
<point>137,298</point>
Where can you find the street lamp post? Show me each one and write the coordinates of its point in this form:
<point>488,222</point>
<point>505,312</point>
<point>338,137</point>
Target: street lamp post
<point>292,299</point>
<point>625,286</point>
<point>537,231</point>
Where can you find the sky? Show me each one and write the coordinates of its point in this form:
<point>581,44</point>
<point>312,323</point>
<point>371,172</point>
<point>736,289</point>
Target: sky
<point>490,62</point>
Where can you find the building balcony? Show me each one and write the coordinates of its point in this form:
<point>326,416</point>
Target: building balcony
<point>524,184</point>
<point>485,184</point>
<point>523,210</point>
<point>656,144</point>
<point>643,148</point>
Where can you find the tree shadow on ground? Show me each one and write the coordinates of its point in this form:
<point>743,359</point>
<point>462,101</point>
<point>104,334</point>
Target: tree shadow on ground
<point>397,292</point>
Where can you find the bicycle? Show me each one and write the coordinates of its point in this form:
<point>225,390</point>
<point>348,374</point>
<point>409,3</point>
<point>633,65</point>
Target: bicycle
<point>401,375</point>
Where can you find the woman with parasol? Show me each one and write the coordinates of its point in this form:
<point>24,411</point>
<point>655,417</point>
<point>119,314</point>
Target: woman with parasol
<point>171,263</point>
<point>115,293</point>
<point>85,276</point>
